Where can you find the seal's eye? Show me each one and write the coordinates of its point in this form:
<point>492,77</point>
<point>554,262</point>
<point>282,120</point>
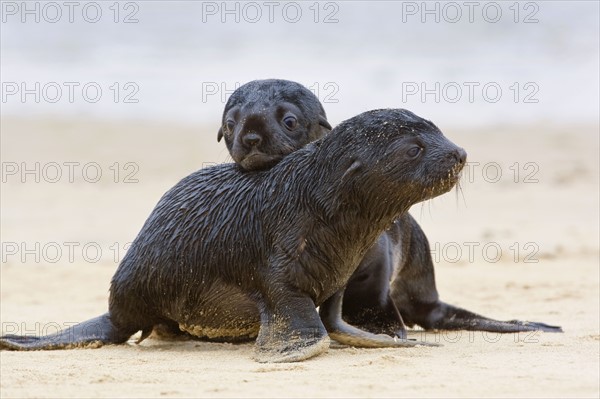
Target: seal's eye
<point>230,124</point>
<point>290,122</point>
<point>413,152</point>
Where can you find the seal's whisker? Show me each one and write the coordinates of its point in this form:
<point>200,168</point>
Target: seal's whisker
<point>422,207</point>
<point>459,189</point>
<point>429,208</point>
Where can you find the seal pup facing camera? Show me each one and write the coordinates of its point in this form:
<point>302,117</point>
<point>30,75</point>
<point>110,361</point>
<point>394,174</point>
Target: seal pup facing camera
<point>300,228</point>
<point>395,282</point>
<point>264,120</point>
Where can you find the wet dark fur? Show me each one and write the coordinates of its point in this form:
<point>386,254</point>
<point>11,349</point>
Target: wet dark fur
<point>254,121</point>
<point>395,283</point>
<point>235,255</point>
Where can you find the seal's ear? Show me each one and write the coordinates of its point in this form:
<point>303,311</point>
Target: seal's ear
<point>220,134</point>
<point>355,167</point>
<point>323,122</point>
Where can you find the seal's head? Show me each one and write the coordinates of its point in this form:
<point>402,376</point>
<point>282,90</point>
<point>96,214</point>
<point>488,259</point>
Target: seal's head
<point>393,156</point>
<point>265,120</point>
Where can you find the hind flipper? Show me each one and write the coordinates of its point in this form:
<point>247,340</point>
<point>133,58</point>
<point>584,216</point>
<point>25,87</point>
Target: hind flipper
<point>92,334</point>
<point>443,316</point>
<point>414,292</point>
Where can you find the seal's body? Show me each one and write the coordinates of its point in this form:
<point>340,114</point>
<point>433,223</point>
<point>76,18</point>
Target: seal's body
<point>299,232</point>
<point>394,283</point>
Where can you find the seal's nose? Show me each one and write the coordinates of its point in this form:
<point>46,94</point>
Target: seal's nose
<point>460,155</point>
<point>252,140</point>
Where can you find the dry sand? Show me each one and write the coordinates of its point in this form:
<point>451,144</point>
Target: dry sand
<point>553,221</point>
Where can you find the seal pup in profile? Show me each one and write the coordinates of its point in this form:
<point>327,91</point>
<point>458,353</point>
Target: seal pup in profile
<point>300,230</point>
<point>394,285</point>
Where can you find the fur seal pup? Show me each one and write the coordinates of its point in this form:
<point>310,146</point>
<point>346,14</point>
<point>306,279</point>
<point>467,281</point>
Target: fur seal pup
<point>264,120</point>
<point>300,230</point>
<point>395,282</point>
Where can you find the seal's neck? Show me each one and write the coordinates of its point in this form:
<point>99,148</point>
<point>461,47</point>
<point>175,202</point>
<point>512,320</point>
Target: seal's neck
<point>359,225</point>
<point>347,196</point>
<point>353,211</point>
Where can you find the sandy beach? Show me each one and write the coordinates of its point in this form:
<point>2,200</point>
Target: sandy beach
<point>519,241</point>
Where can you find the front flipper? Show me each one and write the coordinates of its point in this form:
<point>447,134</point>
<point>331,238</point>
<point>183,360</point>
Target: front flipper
<point>443,316</point>
<point>290,330</point>
<point>91,334</point>
<point>331,315</point>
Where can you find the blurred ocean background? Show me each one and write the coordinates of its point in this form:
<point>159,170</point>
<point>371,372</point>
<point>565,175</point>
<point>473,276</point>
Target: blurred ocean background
<point>178,59</point>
